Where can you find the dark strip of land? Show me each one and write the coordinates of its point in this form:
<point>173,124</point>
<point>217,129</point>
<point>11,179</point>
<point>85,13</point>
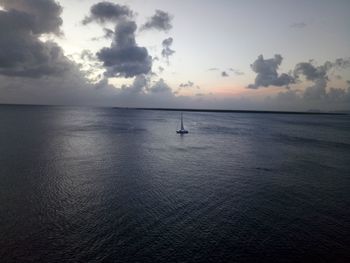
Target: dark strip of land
<point>239,111</point>
<point>198,110</point>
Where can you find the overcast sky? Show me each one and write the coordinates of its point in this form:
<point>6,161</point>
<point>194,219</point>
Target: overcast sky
<point>272,54</point>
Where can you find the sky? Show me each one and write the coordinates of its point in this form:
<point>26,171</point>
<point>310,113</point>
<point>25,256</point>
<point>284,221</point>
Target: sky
<point>224,54</point>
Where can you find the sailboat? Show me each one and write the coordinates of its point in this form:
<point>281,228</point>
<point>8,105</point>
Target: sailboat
<point>182,130</point>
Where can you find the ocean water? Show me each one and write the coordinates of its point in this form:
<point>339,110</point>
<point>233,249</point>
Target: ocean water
<point>111,185</point>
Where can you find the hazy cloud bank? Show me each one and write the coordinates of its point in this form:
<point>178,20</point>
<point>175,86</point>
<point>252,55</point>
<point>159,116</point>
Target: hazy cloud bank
<point>318,95</point>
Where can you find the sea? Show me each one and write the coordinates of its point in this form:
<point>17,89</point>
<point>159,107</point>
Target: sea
<point>84,184</point>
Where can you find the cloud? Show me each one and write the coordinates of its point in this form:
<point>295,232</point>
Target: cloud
<point>298,25</point>
<point>107,12</point>
<point>167,51</point>
<point>319,75</point>
<point>337,94</point>
<point>141,86</point>
<point>341,63</point>
<point>189,84</point>
<point>138,86</point>
<point>159,21</point>
<point>125,58</point>
<point>237,72</point>
<point>108,34</point>
<point>36,71</point>
<point>224,74</point>
<point>160,87</point>
<point>316,91</point>
<point>87,55</point>
<point>318,95</point>
<point>71,88</point>
<point>38,16</point>
<point>22,53</point>
<point>267,75</point>
<point>312,72</point>
<point>324,100</point>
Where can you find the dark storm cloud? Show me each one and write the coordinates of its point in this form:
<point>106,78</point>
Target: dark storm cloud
<point>125,58</point>
<point>126,62</point>
<point>107,11</point>
<point>224,74</point>
<point>267,75</point>
<point>22,53</point>
<point>189,84</point>
<point>40,16</point>
<point>167,51</point>
<point>125,34</point>
<point>160,21</point>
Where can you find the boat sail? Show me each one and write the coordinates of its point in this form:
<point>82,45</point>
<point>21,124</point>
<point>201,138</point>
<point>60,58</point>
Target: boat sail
<point>182,130</point>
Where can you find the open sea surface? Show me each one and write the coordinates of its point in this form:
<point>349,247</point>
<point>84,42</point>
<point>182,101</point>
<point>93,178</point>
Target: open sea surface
<point>111,185</point>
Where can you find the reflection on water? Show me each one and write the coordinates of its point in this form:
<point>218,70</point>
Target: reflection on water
<point>106,185</point>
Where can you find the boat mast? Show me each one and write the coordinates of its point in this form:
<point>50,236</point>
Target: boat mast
<point>182,123</point>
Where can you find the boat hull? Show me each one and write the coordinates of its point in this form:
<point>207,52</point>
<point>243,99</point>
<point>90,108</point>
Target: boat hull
<point>182,132</point>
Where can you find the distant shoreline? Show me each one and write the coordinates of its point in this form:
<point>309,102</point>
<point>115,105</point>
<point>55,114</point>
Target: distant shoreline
<point>192,110</point>
<point>238,111</point>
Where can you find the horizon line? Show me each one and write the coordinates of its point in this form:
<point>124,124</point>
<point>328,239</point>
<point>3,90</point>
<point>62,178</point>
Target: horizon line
<point>309,112</point>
